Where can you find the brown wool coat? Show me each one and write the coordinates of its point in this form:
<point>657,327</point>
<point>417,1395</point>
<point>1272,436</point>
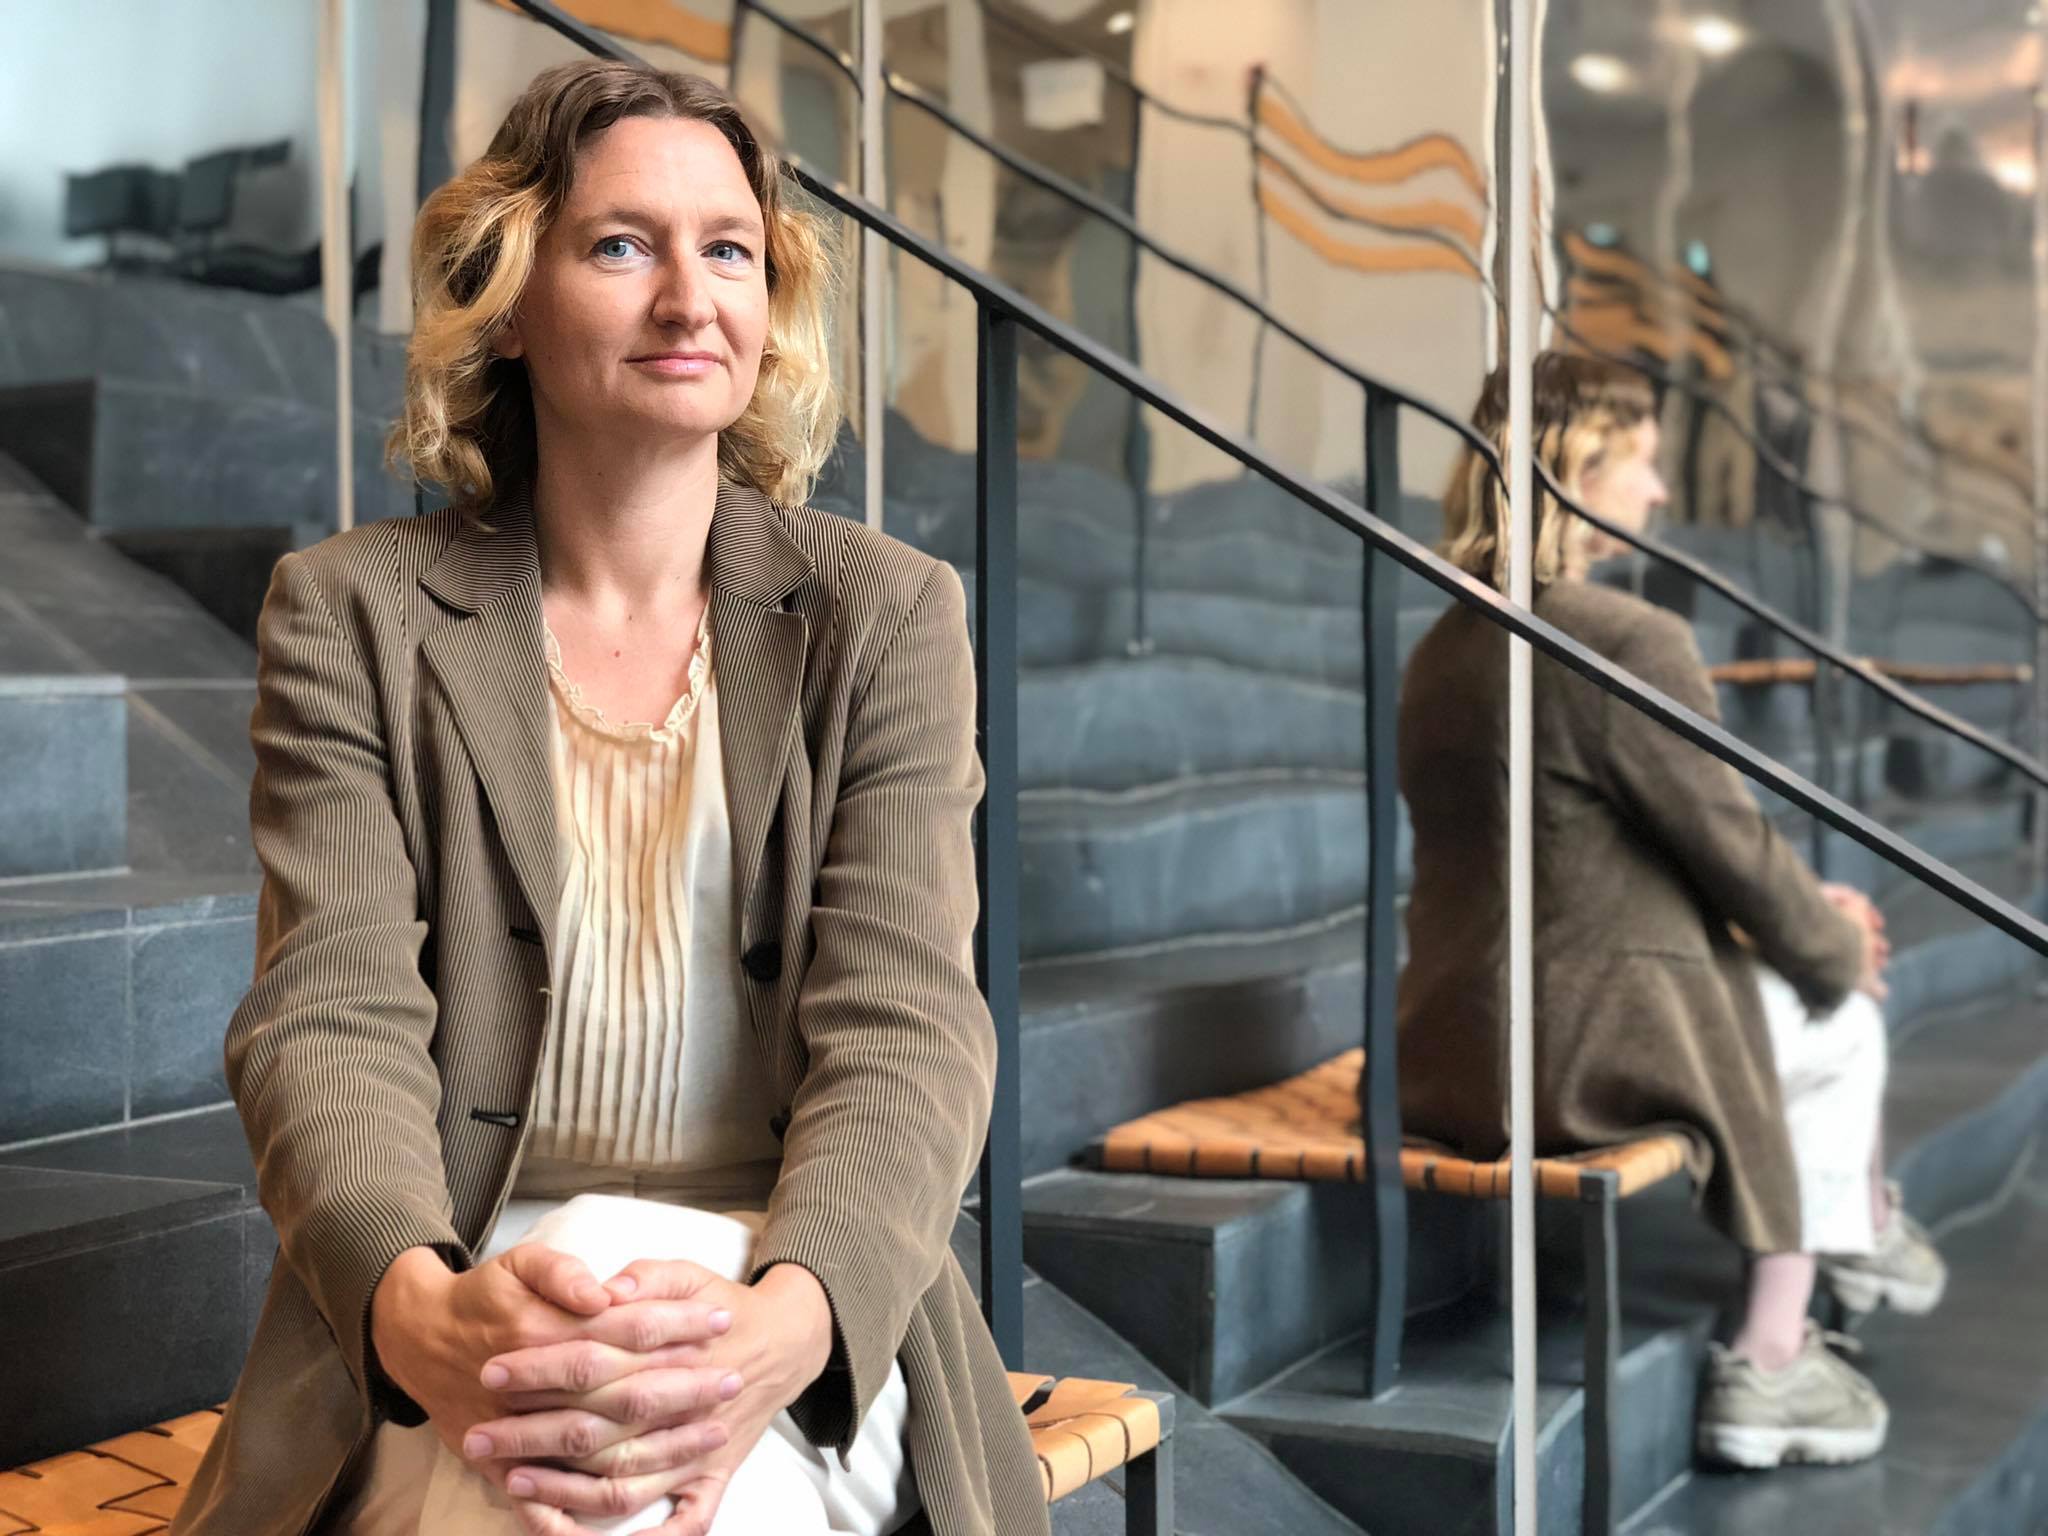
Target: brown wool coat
<point>403,812</point>
<point>1647,850</point>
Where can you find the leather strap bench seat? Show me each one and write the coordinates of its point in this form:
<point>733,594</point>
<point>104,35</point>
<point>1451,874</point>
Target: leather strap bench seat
<point>132,1484</point>
<point>1305,1129</point>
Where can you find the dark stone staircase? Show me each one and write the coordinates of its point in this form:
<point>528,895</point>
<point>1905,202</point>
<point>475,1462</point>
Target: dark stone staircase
<point>1193,835</point>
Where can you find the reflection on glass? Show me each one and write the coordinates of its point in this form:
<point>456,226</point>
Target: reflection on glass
<point>1681,948</point>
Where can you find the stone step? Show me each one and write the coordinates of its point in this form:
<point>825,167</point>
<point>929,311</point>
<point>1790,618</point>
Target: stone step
<point>148,403</point>
<point>1125,723</point>
<point>1225,1482</point>
<point>64,760</point>
<point>1436,1454</point>
<point>1223,1283</point>
<point>117,994</point>
<point>1967,1100</point>
<point>1107,1037</point>
<point>1064,626</point>
<point>1968,1392</point>
<point>136,1245</point>
<point>1251,852</point>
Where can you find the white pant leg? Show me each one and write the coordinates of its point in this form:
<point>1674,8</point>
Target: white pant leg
<point>1832,1071</point>
<point>786,1486</point>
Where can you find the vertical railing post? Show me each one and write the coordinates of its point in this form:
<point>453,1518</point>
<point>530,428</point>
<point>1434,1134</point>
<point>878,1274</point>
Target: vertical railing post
<point>436,159</point>
<point>1379,1098</point>
<point>996,866</point>
<point>1826,689</point>
<point>1137,445</point>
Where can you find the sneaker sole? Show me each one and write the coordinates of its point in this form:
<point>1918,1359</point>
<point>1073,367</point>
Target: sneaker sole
<point>1866,1293</point>
<point>1758,1449</point>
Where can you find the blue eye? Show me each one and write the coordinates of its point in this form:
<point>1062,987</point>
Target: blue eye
<point>738,252</point>
<point>609,240</point>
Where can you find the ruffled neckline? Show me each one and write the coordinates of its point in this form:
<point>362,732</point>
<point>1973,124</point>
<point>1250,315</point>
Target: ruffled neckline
<point>680,714</point>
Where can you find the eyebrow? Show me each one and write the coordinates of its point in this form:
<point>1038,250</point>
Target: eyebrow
<point>718,224</point>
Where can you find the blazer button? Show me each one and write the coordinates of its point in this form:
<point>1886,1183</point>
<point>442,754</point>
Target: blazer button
<point>763,962</point>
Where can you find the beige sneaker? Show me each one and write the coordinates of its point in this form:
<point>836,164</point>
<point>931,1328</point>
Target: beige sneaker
<point>1818,1409</point>
<point>1905,1272</point>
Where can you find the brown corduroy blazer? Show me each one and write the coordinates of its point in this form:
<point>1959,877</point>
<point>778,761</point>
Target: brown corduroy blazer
<point>384,1060</point>
<point>1648,852</point>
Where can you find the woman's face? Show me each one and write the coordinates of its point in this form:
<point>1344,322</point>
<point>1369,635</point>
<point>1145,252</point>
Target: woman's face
<point>648,304</point>
<point>1624,487</point>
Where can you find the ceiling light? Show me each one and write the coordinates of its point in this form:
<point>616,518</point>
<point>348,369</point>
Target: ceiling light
<point>1715,36</point>
<point>1121,23</point>
<point>1603,73</point>
<point>2014,172</point>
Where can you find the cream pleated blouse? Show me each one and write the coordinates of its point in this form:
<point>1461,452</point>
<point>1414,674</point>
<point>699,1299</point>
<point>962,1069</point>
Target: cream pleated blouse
<point>649,1081</point>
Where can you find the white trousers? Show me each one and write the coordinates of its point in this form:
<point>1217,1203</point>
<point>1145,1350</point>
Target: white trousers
<point>1832,1070</point>
<point>415,1486</point>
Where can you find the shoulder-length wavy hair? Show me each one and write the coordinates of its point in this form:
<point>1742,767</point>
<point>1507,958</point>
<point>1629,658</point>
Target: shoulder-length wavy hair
<point>1582,408</point>
<point>468,423</point>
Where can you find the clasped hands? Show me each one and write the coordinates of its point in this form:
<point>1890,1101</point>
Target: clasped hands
<point>587,1398</point>
<point>1877,948</point>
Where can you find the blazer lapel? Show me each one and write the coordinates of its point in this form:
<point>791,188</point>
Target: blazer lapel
<point>494,672</point>
<point>758,650</point>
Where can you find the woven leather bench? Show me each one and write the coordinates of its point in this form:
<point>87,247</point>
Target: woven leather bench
<point>1085,1429</point>
<point>1306,1129</point>
<point>132,1485</point>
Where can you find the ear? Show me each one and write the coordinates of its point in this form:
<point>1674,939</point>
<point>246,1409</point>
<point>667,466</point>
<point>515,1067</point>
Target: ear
<point>508,343</point>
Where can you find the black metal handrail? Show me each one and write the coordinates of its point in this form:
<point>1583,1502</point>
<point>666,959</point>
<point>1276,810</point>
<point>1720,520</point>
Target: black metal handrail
<point>1767,456</point>
<point>1385,538</point>
<point>1895,692</point>
<point>840,60</point>
<point>1001,312</point>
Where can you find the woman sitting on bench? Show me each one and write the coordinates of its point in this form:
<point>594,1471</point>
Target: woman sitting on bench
<point>615,1060</point>
<point>1691,973</point>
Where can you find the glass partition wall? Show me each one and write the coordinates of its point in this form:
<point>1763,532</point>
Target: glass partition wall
<point>1216,290</point>
<point>1213,680</point>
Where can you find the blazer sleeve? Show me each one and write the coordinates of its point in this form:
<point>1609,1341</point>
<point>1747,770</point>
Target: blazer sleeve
<point>1701,812</point>
<point>889,1119</point>
<point>327,1055</point>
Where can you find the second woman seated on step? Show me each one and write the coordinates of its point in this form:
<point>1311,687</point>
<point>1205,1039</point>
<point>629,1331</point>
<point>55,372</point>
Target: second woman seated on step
<point>1691,973</point>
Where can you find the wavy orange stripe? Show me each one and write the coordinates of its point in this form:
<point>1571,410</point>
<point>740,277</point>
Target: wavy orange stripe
<point>1433,151</point>
<point>1417,256</point>
<point>1430,213</point>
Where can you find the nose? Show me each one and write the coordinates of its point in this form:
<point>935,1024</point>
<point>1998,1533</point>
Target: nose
<point>684,296</point>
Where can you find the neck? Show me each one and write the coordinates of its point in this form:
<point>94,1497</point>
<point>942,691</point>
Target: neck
<point>623,532</point>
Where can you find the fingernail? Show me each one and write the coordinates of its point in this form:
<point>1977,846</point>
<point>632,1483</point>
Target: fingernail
<point>623,1285</point>
<point>729,1388</point>
<point>496,1376</point>
<point>721,1320</point>
<point>476,1447</point>
<point>519,1485</point>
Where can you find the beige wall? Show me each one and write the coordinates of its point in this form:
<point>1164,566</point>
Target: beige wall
<point>1369,77</point>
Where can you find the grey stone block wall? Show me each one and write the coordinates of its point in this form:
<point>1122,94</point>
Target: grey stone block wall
<point>115,1016</point>
<point>64,762</point>
<point>208,407</point>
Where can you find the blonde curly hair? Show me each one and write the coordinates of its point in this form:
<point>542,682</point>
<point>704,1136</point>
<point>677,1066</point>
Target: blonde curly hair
<point>1582,409</point>
<point>468,421</point>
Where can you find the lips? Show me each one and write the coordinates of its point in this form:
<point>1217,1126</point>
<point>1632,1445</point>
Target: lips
<point>680,365</point>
